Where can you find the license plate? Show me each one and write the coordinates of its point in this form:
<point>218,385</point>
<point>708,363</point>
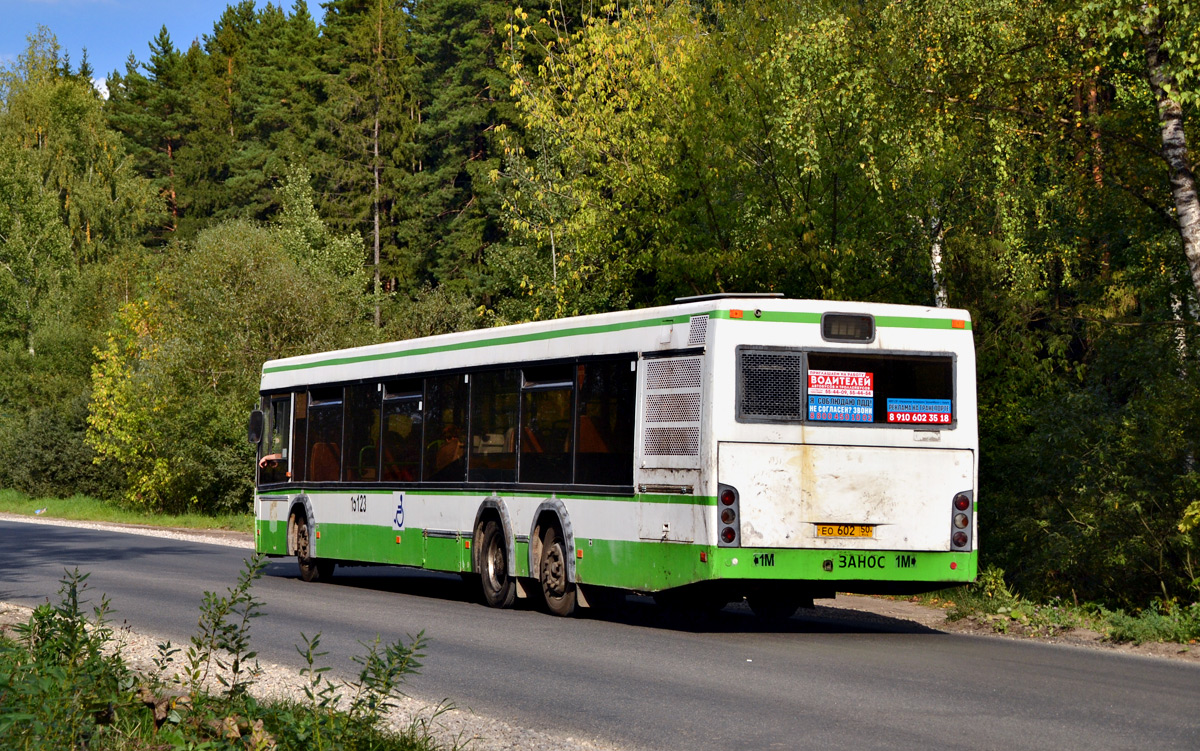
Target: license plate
<point>845,530</point>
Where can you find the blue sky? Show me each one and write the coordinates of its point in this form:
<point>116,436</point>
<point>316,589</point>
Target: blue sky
<point>110,29</point>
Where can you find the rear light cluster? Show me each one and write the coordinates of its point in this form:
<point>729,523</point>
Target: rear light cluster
<point>727,514</point>
<point>960,520</point>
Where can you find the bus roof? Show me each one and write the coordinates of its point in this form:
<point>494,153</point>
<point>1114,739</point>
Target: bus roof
<point>628,331</point>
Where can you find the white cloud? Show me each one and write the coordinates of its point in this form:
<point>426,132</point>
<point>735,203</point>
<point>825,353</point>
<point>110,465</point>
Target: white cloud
<point>101,85</point>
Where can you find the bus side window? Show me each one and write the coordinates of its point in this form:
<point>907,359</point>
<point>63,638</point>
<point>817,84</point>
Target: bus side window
<point>325,435</point>
<point>493,421</point>
<point>446,401</point>
<point>362,433</point>
<point>604,428</point>
<point>401,460</point>
<point>547,402</point>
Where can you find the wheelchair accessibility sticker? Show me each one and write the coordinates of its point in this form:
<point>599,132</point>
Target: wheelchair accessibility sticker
<point>398,519</point>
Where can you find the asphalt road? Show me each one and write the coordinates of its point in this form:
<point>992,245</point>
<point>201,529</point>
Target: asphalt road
<point>642,679</point>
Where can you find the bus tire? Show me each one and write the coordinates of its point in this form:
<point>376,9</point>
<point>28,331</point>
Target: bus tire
<point>499,589</point>
<point>558,592</point>
<point>311,569</point>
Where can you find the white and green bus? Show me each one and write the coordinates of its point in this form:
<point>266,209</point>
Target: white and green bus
<point>726,447</point>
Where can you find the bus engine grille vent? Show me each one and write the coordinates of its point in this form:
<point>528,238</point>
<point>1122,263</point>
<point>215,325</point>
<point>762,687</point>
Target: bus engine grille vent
<point>672,441</point>
<point>676,373</point>
<point>771,385</point>
<point>673,407</point>
<point>697,331</point>
<point>672,412</point>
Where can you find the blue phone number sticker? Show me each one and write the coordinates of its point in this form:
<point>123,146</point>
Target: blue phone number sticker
<point>922,411</point>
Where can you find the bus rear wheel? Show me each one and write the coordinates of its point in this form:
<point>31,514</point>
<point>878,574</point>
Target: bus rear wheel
<point>499,589</point>
<point>558,592</point>
<point>311,569</point>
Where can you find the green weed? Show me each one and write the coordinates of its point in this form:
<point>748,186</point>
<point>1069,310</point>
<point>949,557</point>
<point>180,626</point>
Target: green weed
<point>1162,621</point>
<point>992,602</point>
<point>64,685</point>
<point>58,686</point>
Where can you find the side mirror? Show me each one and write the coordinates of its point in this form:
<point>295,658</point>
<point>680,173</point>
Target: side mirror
<point>255,428</point>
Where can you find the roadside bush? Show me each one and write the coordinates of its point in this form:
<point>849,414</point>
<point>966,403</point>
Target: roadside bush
<point>46,455</point>
<point>1087,500</point>
<point>1159,622</point>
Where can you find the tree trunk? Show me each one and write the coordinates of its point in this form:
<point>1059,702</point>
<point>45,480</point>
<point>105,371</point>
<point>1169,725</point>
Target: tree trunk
<point>378,317</point>
<point>1175,152</point>
<point>941,296</point>
<point>375,145</point>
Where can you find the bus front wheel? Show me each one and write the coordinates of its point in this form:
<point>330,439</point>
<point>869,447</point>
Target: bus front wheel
<point>311,569</point>
<point>556,589</point>
<point>499,589</point>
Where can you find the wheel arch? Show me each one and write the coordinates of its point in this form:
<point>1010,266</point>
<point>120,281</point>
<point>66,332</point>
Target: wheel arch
<point>302,504</point>
<point>551,511</point>
<point>494,507</point>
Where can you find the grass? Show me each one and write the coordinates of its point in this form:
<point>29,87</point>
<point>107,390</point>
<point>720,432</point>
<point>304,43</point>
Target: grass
<point>992,603</point>
<point>84,508</point>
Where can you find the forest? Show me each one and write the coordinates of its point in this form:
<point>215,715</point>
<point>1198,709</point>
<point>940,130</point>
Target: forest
<point>307,178</point>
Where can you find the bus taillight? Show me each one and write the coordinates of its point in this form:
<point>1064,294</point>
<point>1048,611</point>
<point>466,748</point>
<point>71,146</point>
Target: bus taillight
<point>960,521</point>
<point>730,535</point>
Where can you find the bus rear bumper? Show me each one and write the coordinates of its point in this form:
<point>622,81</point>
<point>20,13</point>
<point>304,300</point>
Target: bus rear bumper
<point>655,566</point>
<point>943,568</point>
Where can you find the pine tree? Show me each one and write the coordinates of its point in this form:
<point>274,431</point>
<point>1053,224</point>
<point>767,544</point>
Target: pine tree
<point>368,120</point>
<point>212,85</point>
<point>152,113</point>
<point>277,110</point>
<point>454,205</point>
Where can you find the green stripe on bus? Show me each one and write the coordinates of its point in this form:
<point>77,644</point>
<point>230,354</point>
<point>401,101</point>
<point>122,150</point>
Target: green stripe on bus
<point>652,566</point>
<point>641,565</point>
<point>479,343</point>
<point>772,316</point>
<point>908,322</point>
<point>890,322</point>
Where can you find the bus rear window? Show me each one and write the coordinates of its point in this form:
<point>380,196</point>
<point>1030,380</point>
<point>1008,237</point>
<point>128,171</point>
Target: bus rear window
<point>845,388</point>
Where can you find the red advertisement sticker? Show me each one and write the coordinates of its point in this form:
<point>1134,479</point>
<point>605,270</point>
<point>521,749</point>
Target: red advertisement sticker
<point>841,383</point>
